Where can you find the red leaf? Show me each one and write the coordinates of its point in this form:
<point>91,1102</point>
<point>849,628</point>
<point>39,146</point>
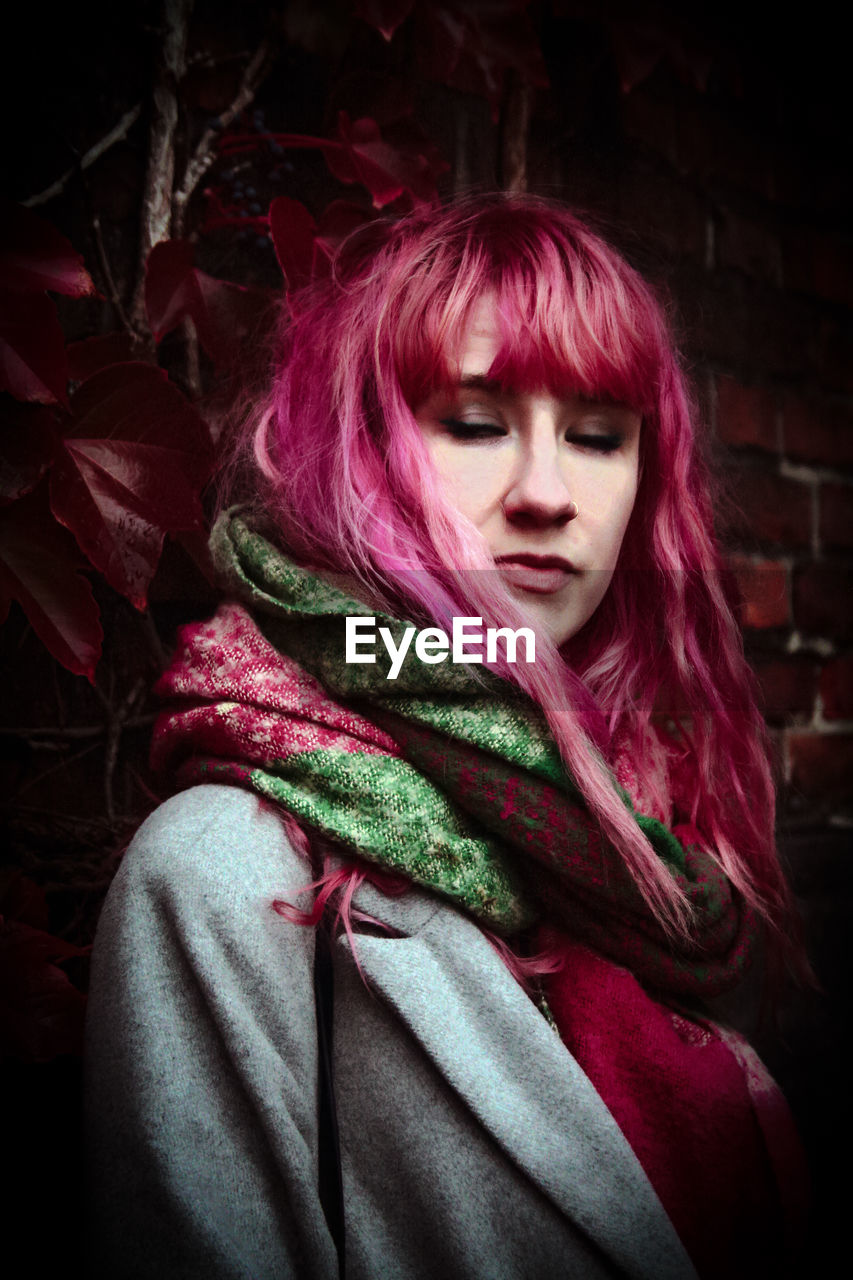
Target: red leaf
<point>28,445</point>
<point>384,15</point>
<point>33,365</point>
<point>387,171</point>
<point>223,313</point>
<point>23,900</point>
<point>227,317</point>
<point>339,219</point>
<point>471,46</point>
<point>130,469</point>
<point>39,566</point>
<point>361,154</point>
<point>639,46</point>
<point>41,1011</point>
<point>304,247</point>
<point>168,285</point>
<point>92,354</point>
<point>34,256</point>
<point>293,234</point>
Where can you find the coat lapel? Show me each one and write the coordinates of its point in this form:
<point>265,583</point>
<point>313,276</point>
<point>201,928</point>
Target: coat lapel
<point>447,984</point>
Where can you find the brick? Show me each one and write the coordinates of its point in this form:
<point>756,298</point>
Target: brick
<point>817,431</point>
<point>836,689</point>
<point>821,766</point>
<point>832,258</point>
<point>748,246</point>
<point>770,508</point>
<point>836,516</point>
<point>746,416</point>
<point>833,366</point>
<point>823,601</point>
<point>673,217</point>
<point>788,687</point>
<point>797,266</point>
<point>732,320</point>
<point>763,586</point>
<point>819,262</point>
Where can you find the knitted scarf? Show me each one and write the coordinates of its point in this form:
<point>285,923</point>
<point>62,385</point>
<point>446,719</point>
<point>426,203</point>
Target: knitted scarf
<point>449,779</point>
<point>453,781</point>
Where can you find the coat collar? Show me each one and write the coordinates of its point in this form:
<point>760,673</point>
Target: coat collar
<point>443,979</point>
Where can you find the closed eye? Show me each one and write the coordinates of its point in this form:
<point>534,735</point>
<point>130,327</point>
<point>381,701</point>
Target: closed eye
<point>598,443</point>
<point>461,430</point>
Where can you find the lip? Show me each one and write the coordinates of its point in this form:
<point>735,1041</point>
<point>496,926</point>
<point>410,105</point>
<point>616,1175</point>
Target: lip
<point>541,575</point>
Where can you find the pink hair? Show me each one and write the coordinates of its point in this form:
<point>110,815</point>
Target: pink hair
<point>347,481</point>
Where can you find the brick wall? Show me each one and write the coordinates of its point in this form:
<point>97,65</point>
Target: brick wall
<point>719,172</point>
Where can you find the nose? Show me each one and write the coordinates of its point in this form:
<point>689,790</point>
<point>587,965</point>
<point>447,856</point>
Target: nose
<point>538,494</point>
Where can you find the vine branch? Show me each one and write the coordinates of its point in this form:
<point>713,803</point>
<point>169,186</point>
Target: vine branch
<point>156,219</point>
<point>112,287</point>
<point>116,134</point>
<point>205,153</point>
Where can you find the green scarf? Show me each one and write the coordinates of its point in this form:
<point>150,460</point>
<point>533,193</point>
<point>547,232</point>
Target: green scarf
<point>449,779</point>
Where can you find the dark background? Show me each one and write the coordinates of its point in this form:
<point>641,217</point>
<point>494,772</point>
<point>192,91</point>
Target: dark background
<point>711,142</point>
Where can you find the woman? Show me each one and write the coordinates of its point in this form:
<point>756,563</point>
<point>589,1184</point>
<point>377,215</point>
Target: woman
<point>477,427</point>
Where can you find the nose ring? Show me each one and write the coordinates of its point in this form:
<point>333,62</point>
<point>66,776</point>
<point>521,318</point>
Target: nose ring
<point>574,510</point>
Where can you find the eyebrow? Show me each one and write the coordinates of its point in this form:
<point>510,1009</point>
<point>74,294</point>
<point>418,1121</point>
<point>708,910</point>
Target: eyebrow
<point>482,382</point>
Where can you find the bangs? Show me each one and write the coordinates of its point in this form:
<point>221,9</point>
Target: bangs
<point>570,317</point>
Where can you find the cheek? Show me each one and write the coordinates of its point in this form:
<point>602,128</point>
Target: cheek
<point>468,479</point>
<point>608,514</point>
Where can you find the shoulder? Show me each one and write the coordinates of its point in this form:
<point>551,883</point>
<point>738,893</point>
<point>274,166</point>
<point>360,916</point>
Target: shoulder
<point>191,910</point>
<point>212,844</point>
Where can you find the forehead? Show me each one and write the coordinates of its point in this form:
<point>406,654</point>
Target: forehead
<point>481,339</point>
<point>479,347</point>
<point>527,335</point>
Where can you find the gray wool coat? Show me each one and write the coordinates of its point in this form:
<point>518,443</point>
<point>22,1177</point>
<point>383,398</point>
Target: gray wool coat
<point>472,1145</point>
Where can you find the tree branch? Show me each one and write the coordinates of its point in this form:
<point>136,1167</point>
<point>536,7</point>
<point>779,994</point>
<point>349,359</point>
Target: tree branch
<point>157,193</point>
<point>114,731</point>
<point>515,124</point>
<point>112,287</point>
<point>116,134</point>
<point>205,153</point>
<point>53,739</point>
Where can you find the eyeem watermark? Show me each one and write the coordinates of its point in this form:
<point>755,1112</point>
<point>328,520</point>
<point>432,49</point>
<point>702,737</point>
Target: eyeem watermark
<point>434,645</point>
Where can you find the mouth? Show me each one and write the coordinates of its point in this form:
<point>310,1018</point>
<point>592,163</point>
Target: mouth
<point>541,575</point>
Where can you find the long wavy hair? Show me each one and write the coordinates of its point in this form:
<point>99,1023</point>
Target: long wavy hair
<point>339,467</point>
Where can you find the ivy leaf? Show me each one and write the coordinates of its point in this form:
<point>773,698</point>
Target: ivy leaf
<point>130,468</point>
<point>228,317</point>
<point>471,44</point>
<point>39,567</point>
<point>304,247</point>
<point>23,900</point>
<point>34,256</point>
<point>223,313</point>
<point>33,364</point>
<point>384,15</point>
<point>41,1011</point>
<point>294,232</point>
<point>337,221</point>
<point>90,355</point>
<point>639,46</point>
<point>387,170</point>
<point>29,439</point>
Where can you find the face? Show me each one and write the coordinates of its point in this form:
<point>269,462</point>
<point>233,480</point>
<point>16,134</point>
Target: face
<point>549,482</point>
